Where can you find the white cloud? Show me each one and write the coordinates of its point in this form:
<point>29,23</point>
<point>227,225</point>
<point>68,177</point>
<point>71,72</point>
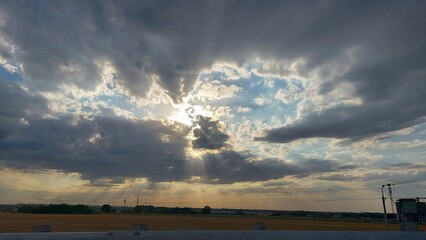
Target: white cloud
<point>96,137</point>
<point>222,111</point>
<point>290,94</point>
<point>7,48</point>
<point>9,67</point>
<point>24,122</point>
<point>261,101</point>
<point>230,70</point>
<point>243,109</point>
<point>215,90</point>
<point>380,145</point>
<point>155,95</point>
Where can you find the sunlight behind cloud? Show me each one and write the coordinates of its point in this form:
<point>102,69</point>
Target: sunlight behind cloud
<point>186,113</point>
<point>182,116</point>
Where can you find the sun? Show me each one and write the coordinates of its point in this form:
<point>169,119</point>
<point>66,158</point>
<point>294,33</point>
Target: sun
<point>182,117</point>
<point>187,113</point>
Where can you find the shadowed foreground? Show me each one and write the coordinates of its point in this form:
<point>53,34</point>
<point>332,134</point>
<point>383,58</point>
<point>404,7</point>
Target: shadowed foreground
<point>218,235</point>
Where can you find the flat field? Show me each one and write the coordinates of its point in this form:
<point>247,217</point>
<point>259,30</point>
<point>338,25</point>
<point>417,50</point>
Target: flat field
<point>16,222</point>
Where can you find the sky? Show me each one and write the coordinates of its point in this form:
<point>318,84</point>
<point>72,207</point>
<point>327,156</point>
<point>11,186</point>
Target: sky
<point>291,105</point>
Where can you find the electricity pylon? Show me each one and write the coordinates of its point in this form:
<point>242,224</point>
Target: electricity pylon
<point>389,185</point>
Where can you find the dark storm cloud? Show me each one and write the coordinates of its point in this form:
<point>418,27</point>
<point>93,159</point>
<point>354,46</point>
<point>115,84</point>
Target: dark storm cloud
<point>16,105</point>
<point>230,166</point>
<point>106,151</point>
<point>357,122</point>
<point>103,148</point>
<point>208,134</point>
<point>60,42</point>
<point>16,102</point>
<point>348,167</point>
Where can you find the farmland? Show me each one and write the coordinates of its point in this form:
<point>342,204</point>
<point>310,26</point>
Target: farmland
<point>17,222</point>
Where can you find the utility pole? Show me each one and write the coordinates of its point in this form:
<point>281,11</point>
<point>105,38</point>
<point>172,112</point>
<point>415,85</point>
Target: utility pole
<point>384,209</point>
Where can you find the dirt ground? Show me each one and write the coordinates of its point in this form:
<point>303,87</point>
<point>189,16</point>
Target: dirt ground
<point>16,222</point>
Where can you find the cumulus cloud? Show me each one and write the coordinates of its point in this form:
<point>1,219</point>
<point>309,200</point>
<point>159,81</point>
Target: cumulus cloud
<point>241,109</point>
<point>215,90</point>
<point>208,134</point>
<point>289,94</point>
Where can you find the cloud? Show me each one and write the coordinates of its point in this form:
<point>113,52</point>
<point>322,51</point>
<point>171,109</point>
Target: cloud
<point>208,135</point>
<point>215,90</point>
<point>101,148</point>
<point>289,94</point>
<point>107,151</point>
<point>352,122</point>
<point>229,166</point>
<point>338,177</point>
<point>229,71</point>
<point>17,105</point>
<point>243,109</point>
<point>17,102</point>
<point>176,40</point>
<point>101,152</point>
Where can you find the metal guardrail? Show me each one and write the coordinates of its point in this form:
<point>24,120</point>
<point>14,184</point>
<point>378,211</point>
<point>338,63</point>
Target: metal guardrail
<point>218,235</point>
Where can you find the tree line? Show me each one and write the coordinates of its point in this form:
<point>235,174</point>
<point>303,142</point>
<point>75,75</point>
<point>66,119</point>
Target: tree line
<point>56,209</point>
<point>106,208</point>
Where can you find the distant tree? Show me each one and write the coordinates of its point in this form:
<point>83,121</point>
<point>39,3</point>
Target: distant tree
<point>106,208</point>
<point>56,209</point>
<point>206,210</point>
<point>26,209</point>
